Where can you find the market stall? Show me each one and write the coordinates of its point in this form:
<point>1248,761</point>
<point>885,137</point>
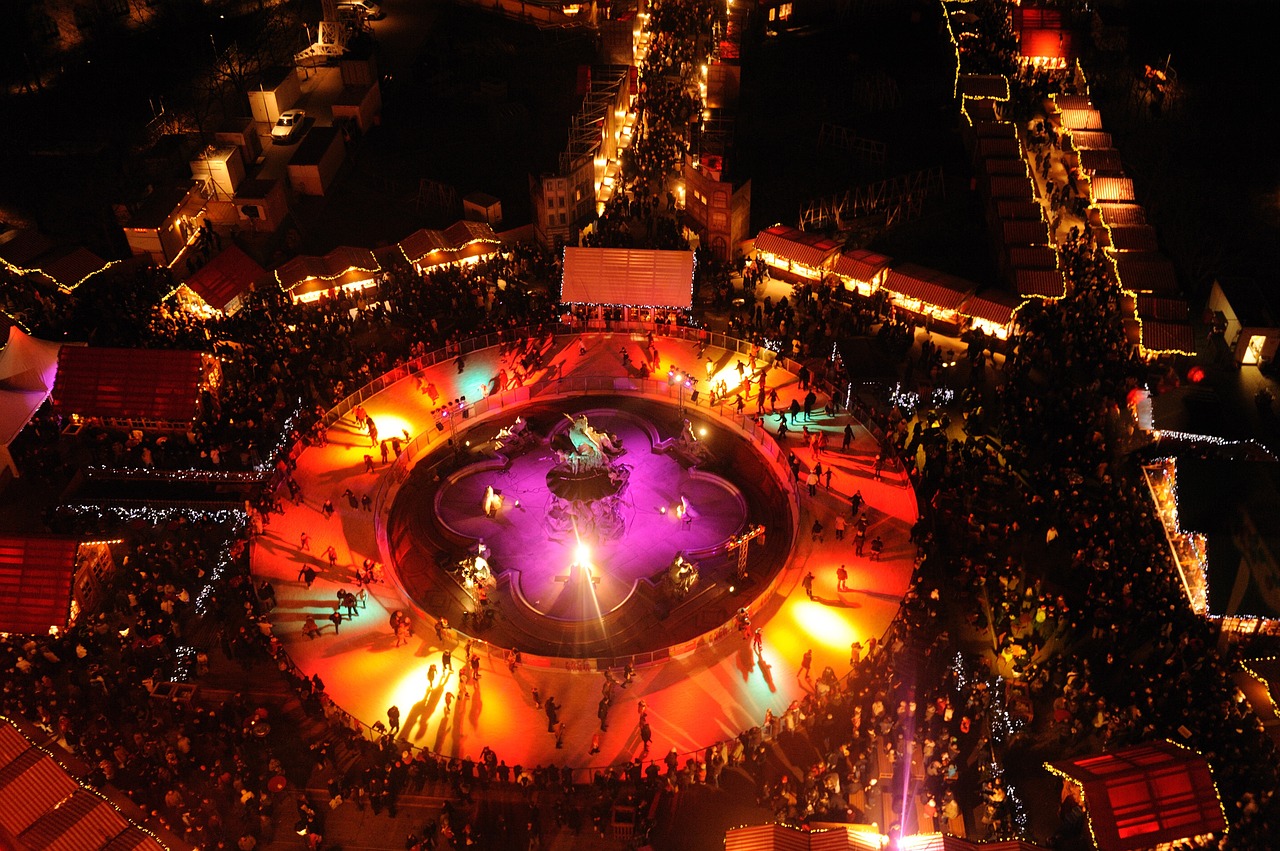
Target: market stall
<point>462,242</point>
<point>861,271</point>
<point>308,278</point>
<point>796,252</point>
<point>928,295</point>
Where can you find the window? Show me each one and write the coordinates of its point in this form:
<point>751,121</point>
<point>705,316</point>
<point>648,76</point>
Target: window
<point>784,11</point>
<point>563,219</point>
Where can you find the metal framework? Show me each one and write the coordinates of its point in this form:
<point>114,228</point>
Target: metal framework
<point>897,199</point>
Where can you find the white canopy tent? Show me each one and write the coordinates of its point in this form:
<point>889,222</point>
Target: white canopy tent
<point>628,276</point>
<point>27,369</point>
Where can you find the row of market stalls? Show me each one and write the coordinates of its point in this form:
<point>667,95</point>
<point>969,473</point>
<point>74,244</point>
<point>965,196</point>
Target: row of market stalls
<point>348,269</point>
<point>943,302</point>
<point>1160,323</point>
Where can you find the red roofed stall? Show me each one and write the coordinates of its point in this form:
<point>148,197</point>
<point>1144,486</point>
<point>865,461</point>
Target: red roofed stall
<point>787,249</point>
<point>1039,283</point>
<point>991,312</point>
<point>1143,796</point>
<point>154,388</point>
<point>46,581</point>
<point>43,806</point>
<point>861,270</point>
<point>927,294</point>
<point>223,280</point>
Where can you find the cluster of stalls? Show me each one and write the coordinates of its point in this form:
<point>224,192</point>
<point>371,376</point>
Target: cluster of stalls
<point>942,302</point>
<point>1161,316</point>
<point>347,269</point>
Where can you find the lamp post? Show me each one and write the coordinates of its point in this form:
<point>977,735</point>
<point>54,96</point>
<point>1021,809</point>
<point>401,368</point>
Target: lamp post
<point>683,380</point>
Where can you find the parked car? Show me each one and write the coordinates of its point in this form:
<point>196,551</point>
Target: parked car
<point>289,125</point>
<point>368,8</point>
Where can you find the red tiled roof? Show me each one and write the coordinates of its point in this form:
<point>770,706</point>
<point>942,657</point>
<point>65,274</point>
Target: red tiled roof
<point>861,265</point>
<point>998,148</point>
<point>807,249</point>
<point>1042,283</point>
<point>1146,795</point>
<point>1082,119</point>
<point>984,86</point>
<point>1158,336</point>
<point>1134,238</point>
<point>995,130</point>
<point>1112,189</point>
<point>1146,273</point>
<point>929,286</point>
<point>42,806</point>
<point>1105,161</point>
<point>158,384</point>
<point>36,573</point>
<point>1169,309</point>
<point>1024,210</point>
<point>1016,188</point>
<point>1022,232</point>
<point>1088,139</point>
<point>1015,166</point>
<point>72,268</point>
<point>1033,257</point>
<point>993,306</point>
<point>1121,214</point>
<point>227,275</point>
<point>20,246</point>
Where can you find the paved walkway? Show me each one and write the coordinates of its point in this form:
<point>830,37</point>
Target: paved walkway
<point>693,701</point>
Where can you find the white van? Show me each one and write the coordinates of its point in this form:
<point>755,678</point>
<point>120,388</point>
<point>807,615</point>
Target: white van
<point>367,8</point>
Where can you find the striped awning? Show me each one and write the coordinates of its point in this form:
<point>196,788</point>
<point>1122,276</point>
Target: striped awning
<point>31,784</point>
<point>1066,102</point>
<point>1082,119</point>
<point>230,273</point>
<point>929,286</point>
<point>994,306</point>
<point>36,573</point>
<point>808,249</point>
<point>860,265</point>
<point>1040,283</point>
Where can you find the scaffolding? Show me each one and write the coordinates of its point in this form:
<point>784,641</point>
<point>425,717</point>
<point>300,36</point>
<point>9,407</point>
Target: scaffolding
<point>897,199</point>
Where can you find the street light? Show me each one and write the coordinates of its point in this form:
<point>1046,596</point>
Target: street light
<point>683,380</point>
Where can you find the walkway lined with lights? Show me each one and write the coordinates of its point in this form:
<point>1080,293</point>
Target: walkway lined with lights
<point>694,701</point>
